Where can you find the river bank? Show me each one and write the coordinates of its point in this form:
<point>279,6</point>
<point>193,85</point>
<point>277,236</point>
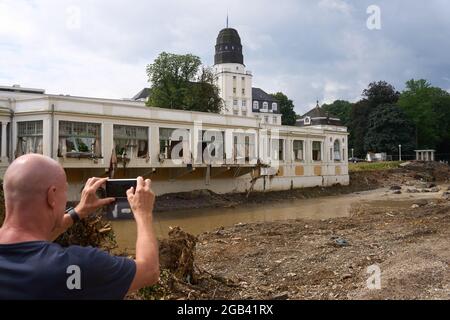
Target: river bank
<point>407,236</point>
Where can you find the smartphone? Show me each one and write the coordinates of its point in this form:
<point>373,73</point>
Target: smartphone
<point>117,188</point>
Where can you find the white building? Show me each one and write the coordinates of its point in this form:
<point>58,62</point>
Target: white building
<point>125,138</point>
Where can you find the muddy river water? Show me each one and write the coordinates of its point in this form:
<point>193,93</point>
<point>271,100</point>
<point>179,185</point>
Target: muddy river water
<point>197,221</point>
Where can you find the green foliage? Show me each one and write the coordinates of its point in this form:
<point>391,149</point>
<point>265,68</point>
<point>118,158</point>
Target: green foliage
<point>380,92</point>
<point>179,82</point>
<point>377,93</point>
<point>388,126</point>
<point>373,166</point>
<point>358,126</point>
<point>288,116</point>
<point>429,108</point>
<point>341,109</point>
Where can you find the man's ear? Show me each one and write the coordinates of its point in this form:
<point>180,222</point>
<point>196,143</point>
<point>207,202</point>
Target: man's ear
<point>51,197</point>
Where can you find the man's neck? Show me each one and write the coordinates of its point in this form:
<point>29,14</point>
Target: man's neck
<point>13,234</point>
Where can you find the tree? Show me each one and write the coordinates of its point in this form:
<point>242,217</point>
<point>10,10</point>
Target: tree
<point>358,127</point>
<point>340,109</point>
<point>380,92</point>
<point>203,94</point>
<point>178,82</point>
<point>286,105</point>
<point>376,94</point>
<point>429,108</point>
<point>389,126</point>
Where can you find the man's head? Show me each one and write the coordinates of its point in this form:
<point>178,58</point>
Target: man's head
<point>35,190</point>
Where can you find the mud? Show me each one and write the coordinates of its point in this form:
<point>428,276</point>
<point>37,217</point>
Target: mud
<point>406,236</point>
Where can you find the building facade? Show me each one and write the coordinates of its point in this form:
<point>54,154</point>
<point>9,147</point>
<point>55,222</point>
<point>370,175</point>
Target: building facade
<point>180,151</point>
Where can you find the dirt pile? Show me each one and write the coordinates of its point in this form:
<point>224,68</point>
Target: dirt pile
<point>177,254</point>
<point>180,277</point>
<point>429,171</point>
<point>329,259</point>
<point>93,231</point>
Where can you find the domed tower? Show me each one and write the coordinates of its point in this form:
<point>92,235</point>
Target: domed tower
<point>233,80</point>
<point>228,47</point>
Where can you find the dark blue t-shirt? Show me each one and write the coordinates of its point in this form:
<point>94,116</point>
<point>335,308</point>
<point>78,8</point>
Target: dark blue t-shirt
<point>45,270</point>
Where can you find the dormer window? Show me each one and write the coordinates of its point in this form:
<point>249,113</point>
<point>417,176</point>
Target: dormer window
<point>265,105</point>
<point>255,105</point>
<point>307,121</point>
<point>274,106</point>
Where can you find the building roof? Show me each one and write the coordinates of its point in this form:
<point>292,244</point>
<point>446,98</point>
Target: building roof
<point>261,95</point>
<point>18,88</point>
<point>318,116</point>
<point>228,47</point>
<point>143,94</point>
<point>316,112</point>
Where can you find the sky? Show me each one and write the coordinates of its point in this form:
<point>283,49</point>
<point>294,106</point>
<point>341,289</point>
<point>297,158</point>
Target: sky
<point>310,50</point>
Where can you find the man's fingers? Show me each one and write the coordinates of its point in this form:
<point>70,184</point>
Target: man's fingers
<point>91,181</point>
<point>103,202</point>
<point>130,192</point>
<point>148,183</point>
<point>140,183</point>
<point>98,183</point>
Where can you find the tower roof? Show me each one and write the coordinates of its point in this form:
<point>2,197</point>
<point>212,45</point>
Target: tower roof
<point>228,47</point>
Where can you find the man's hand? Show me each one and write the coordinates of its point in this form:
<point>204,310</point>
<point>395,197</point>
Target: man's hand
<point>89,201</point>
<point>142,199</point>
<point>147,257</point>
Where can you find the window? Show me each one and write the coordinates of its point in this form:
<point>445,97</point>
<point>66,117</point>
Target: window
<point>265,105</point>
<point>317,150</point>
<point>131,142</point>
<point>79,139</point>
<point>274,106</point>
<point>255,105</point>
<point>337,150</point>
<point>274,120</point>
<point>278,149</point>
<point>236,112</point>
<point>235,103</point>
<point>243,78</point>
<point>243,146</point>
<point>169,139</point>
<point>243,92</point>
<point>266,119</point>
<point>307,121</point>
<point>297,149</point>
<point>234,77</point>
<point>244,113</point>
<point>244,103</point>
<point>234,90</point>
<point>29,137</point>
<point>210,145</point>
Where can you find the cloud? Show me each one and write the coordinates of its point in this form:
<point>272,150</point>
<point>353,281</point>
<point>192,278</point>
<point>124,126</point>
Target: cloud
<point>309,50</point>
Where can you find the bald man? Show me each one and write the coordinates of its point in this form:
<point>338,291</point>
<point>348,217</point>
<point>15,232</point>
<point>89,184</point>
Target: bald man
<point>33,267</point>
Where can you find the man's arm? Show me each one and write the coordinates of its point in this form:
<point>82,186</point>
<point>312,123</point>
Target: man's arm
<point>147,252</point>
<point>67,222</point>
<point>89,202</point>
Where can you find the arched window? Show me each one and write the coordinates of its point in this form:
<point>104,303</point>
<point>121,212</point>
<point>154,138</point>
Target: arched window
<point>337,150</point>
<point>265,105</point>
<point>274,106</point>
<point>255,105</point>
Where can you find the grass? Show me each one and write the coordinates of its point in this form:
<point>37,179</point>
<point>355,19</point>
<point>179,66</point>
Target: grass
<point>373,166</point>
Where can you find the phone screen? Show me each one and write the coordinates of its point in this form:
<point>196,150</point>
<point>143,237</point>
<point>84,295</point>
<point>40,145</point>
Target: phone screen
<point>117,188</point>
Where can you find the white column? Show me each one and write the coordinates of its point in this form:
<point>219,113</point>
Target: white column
<point>432,155</point>
<point>3,151</point>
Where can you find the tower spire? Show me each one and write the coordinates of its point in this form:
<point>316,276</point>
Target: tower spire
<point>227,20</point>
